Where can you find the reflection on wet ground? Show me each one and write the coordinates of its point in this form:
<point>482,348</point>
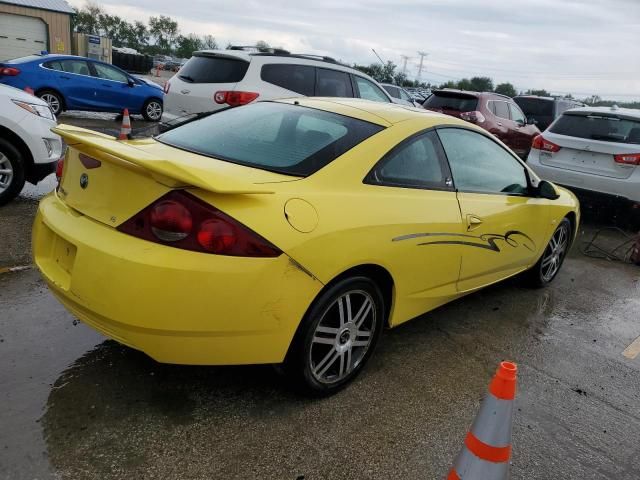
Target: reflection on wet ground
<point>114,413</point>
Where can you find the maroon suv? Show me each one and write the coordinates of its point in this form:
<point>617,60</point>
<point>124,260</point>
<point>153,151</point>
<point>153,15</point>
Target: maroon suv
<point>495,113</point>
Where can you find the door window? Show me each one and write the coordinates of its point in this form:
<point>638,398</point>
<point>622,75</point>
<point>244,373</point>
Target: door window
<point>53,66</point>
<point>297,78</point>
<point>500,109</point>
<point>393,91</point>
<point>516,114</point>
<point>110,73</point>
<point>370,91</point>
<point>79,67</point>
<point>404,95</point>
<point>416,163</point>
<point>333,83</point>
<point>478,164</point>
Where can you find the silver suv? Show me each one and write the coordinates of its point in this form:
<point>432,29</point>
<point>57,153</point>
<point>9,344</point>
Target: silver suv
<point>214,79</point>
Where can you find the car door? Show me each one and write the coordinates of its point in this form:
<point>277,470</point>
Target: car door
<point>75,83</point>
<point>418,206</point>
<point>369,90</point>
<point>333,83</point>
<point>522,134</point>
<point>501,127</point>
<point>112,85</point>
<point>504,226</point>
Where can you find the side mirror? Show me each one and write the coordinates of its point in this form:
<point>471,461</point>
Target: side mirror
<point>532,121</point>
<point>521,123</point>
<point>546,190</point>
<point>131,82</point>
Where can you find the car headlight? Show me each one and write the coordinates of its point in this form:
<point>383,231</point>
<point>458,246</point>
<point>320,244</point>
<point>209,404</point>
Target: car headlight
<point>40,110</point>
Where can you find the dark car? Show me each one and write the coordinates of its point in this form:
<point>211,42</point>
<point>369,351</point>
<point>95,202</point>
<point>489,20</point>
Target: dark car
<point>544,110</point>
<point>69,82</point>
<point>495,113</point>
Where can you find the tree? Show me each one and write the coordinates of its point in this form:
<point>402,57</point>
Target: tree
<point>506,89</point>
<point>481,84</point>
<point>262,46</point>
<point>86,19</point>
<point>185,46</point>
<point>164,31</point>
<point>209,42</point>
<point>539,93</point>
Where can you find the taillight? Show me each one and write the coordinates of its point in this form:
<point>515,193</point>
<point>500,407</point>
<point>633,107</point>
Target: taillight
<point>167,86</point>
<point>473,117</point>
<point>627,158</point>
<point>182,220</point>
<point>9,71</point>
<point>234,98</point>
<point>59,169</point>
<point>541,143</point>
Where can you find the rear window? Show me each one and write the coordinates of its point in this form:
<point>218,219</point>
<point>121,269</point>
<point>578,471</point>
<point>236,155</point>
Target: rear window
<point>297,78</point>
<point>608,128</point>
<point>283,138</point>
<point>535,106</point>
<point>451,101</point>
<point>201,69</point>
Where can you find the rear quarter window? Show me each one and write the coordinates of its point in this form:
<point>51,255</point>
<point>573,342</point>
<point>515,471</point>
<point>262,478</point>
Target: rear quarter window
<point>204,69</point>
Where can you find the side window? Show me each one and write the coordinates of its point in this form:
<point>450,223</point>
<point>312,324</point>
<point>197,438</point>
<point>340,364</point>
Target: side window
<point>478,164</point>
<point>500,109</point>
<point>405,96</point>
<point>393,91</point>
<point>53,65</point>
<point>297,78</point>
<point>416,163</point>
<point>370,91</point>
<point>516,114</point>
<point>109,73</point>
<point>333,83</point>
<point>79,67</point>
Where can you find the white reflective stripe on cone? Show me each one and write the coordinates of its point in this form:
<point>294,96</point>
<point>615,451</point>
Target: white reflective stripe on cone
<point>494,421</point>
<point>470,467</point>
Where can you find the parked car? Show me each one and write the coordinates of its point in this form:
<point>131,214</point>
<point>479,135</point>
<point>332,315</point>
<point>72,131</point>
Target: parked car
<point>292,232</point>
<point>29,150</point>
<point>544,110</point>
<point>215,79</point>
<point>399,95</point>
<point>495,113</point>
<point>68,82</point>
<point>592,149</point>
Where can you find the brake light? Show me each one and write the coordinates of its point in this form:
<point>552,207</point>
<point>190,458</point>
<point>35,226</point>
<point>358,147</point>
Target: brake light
<point>167,86</point>
<point>627,158</point>
<point>9,71</point>
<point>473,117</point>
<point>182,220</point>
<point>59,170</point>
<point>234,98</point>
<point>541,143</point>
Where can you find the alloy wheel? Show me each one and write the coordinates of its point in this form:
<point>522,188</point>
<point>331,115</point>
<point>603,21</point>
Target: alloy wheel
<point>343,336</point>
<point>6,172</point>
<point>554,253</point>
<point>154,110</point>
<point>53,101</point>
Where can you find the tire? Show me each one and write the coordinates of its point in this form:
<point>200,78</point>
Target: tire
<point>13,171</point>
<point>54,99</point>
<point>336,337</point>
<point>551,260</point>
<point>152,110</point>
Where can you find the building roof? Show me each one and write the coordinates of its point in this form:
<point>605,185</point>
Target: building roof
<point>53,5</point>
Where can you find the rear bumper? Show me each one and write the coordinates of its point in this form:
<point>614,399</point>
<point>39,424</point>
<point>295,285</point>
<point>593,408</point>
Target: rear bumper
<point>177,306</point>
<point>622,188</point>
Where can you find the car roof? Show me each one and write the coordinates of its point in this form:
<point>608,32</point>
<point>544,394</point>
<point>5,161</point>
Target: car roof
<point>47,57</point>
<point>613,110</point>
<point>385,114</point>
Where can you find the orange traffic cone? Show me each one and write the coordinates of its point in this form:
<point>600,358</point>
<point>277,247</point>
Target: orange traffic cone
<point>487,447</point>
<point>125,130</point>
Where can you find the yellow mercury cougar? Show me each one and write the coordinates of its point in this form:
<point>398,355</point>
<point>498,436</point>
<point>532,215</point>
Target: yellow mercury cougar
<point>291,232</point>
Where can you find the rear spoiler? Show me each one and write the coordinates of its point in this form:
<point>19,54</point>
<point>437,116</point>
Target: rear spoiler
<point>199,174</point>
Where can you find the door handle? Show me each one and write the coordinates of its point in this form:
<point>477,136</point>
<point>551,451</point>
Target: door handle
<point>499,124</point>
<point>473,222</point>
<point>65,77</point>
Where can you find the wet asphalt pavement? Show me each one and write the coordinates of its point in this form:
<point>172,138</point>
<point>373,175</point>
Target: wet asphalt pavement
<point>78,406</point>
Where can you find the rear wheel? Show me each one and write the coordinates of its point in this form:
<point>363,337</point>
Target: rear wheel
<point>546,269</point>
<point>152,110</point>
<point>53,99</point>
<point>12,172</point>
<point>336,337</point>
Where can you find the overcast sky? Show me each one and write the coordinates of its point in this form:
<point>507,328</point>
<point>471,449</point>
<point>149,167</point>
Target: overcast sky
<point>579,46</point>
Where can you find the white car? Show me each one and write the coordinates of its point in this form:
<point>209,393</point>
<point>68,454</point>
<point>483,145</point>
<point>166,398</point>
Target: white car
<point>399,95</point>
<point>594,149</point>
<point>215,79</point>
<point>29,151</point>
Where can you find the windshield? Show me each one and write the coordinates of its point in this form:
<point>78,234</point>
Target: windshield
<point>534,107</point>
<point>608,128</point>
<point>279,137</point>
<point>451,101</point>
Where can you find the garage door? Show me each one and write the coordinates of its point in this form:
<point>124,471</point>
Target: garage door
<point>20,36</point>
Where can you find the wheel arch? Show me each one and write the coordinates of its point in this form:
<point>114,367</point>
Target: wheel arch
<point>21,146</point>
<point>54,90</point>
<point>573,220</point>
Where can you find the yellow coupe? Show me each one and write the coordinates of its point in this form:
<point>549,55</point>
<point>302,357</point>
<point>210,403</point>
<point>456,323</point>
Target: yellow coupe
<point>291,232</point>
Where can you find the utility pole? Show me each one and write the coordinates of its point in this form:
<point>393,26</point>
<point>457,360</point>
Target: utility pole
<point>422,55</point>
<point>377,56</point>
<point>404,64</point>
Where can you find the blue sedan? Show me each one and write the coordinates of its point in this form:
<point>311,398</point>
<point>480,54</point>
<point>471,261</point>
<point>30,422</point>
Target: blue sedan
<point>68,82</point>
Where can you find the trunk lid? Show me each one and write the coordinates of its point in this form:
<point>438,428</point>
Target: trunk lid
<point>110,180</point>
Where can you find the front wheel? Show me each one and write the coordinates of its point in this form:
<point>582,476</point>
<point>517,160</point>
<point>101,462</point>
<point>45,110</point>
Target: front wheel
<point>54,100</point>
<point>337,337</point>
<point>546,269</point>
<point>152,110</point>
<point>12,172</point>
